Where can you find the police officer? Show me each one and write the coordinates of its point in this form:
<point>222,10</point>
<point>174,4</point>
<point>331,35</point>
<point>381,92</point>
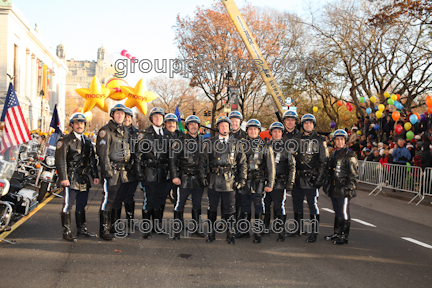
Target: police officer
<point>260,177</point>
<point>112,146</point>
<point>311,161</point>
<point>343,178</point>
<point>75,160</point>
<point>236,120</point>
<point>184,169</point>
<point>284,180</point>
<point>290,119</point>
<point>152,165</point>
<point>227,169</point>
<point>127,190</point>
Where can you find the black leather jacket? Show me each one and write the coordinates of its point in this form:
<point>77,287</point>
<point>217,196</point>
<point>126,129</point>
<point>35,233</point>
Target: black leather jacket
<point>290,135</point>
<point>240,134</point>
<point>261,166</point>
<point>343,174</point>
<point>112,146</point>
<point>133,135</point>
<point>226,164</point>
<point>185,161</point>
<point>285,166</point>
<point>311,160</point>
<point>152,156</point>
<point>75,162</point>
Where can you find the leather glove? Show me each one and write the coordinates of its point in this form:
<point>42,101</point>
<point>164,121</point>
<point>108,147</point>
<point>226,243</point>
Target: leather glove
<point>349,193</point>
<point>239,184</point>
<point>204,182</point>
<point>108,175</point>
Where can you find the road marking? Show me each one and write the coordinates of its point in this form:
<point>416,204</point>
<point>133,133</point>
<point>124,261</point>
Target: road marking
<point>25,218</point>
<point>328,210</point>
<point>363,222</point>
<point>417,242</point>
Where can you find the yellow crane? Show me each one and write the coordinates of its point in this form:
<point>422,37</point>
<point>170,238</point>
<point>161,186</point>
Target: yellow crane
<point>254,51</point>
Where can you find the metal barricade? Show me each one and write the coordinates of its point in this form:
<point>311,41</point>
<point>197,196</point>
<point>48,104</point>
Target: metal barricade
<point>370,173</point>
<point>426,184</point>
<point>402,178</point>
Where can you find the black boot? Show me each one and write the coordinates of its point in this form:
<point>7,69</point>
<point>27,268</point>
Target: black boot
<point>314,225</point>
<point>130,211</point>
<point>196,216</point>
<point>266,220</point>
<point>281,235</point>
<point>257,236</point>
<point>66,224</point>
<point>337,229</point>
<point>105,225</point>
<point>211,215</point>
<point>178,215</point>
<point>238,213</point>
<point>343,238</point>
<point>146,216</point>
<point>298,217</point>
<point>157,221</point>
<point>82,225</point>
<point>162,210</point>
<point>115,215</point>
<point>244,216</point>
<point>229,236</point>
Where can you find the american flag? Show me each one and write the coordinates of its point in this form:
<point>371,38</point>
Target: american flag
<point>15,131</point>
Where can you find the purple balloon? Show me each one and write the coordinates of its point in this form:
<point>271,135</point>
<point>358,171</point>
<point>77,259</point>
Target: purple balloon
<point>422,117</point>
<point>332,124</point>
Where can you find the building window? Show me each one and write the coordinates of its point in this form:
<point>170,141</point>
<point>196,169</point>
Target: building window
<point>15,69</point>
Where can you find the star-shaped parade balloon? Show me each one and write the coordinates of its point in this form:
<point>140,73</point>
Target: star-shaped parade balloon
<point>94,96</point>
<point>138,97</point>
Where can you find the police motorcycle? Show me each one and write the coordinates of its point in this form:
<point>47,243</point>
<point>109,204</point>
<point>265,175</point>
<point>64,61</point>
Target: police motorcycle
<point>28,168</point>
<point>15,201</point>
<point>47,180</point>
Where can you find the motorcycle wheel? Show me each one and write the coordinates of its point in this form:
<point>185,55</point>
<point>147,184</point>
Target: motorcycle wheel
<point>42,191</point>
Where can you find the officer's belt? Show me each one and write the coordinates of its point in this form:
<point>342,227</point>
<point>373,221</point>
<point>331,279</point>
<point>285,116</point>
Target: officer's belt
<point>119,166</point>
<point>255,174</point>
<point>305,173</point>
<point>189,171</point>
<point>220,169</point>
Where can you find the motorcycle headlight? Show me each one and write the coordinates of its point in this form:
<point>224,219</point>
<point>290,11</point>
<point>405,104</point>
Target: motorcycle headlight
<point>50,160</point>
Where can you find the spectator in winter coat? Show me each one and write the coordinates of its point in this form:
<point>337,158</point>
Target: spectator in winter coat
<point>426,156</point>
<point>401,155</point>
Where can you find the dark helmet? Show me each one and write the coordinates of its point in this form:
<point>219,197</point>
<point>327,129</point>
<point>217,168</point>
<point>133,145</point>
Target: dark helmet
<point>308,117</point>
<point>192,119</point>
<point>290,114</point>
<point>77,117</point>
<point>253,123</point>
<point>117,107</point>
<point>276,125</point>
<point>235,114</point>
<point>129,112</point>
<point>156,110</point>
<point>170,117</point>
<point>340,132</point>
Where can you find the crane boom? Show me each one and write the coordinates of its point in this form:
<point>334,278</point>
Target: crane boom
<point>255,53</point>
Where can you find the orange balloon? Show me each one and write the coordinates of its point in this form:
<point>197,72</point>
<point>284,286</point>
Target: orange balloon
<point>429,102</point>
<point>395,115</point>
<point>417,114</point>
<point>265,134</point>
<point>430,110</point>
<point>340,103</point>
<point>398,97</point>
<point>427,98</point>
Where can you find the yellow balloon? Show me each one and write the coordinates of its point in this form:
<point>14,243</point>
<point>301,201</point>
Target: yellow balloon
<point>114,85</point>
<point>381,107</point>
<point>386,94</point>
<point>95,95</point>
<point>407,126</point>
<point>88,115</point>
<point>358,132</point>
<point>379,114</point>
<point>394,97</point>
<point>315,109</point>
<point>373,99</point>
<point>138,97</point>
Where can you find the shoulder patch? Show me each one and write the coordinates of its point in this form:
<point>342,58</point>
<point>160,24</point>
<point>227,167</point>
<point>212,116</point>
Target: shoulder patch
<point>102,142</point>
<point>102,133</point>
<point>353,160</point>
<point>140,136</point>
<point>59,144</point>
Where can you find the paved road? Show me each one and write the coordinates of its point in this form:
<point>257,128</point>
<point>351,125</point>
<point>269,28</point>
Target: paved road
<point>376,256</point>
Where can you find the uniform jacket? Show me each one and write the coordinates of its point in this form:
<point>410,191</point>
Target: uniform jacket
<point>226,164</point>
<point>289,135</point>
<point>185,161</point>
<point>112,146</point>
<point>261,166</point>
<point>311,158</point>
<point>343,174</point>
<point>152,155</point>
<point>240,134</point>
<point>133,135</point>
<point>75,161</point>
<point>285,166</point>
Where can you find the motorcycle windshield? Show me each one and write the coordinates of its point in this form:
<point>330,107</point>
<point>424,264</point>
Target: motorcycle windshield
<point>50,151</point>
<point>8,162</point>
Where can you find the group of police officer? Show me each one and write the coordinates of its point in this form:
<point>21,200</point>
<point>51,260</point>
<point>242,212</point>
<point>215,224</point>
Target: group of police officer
<point>239,168</point>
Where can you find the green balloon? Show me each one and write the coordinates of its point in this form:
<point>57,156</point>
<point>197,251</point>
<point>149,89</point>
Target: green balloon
<point>362,99</point>
<point>410,135</point>
<point>390,101</point>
